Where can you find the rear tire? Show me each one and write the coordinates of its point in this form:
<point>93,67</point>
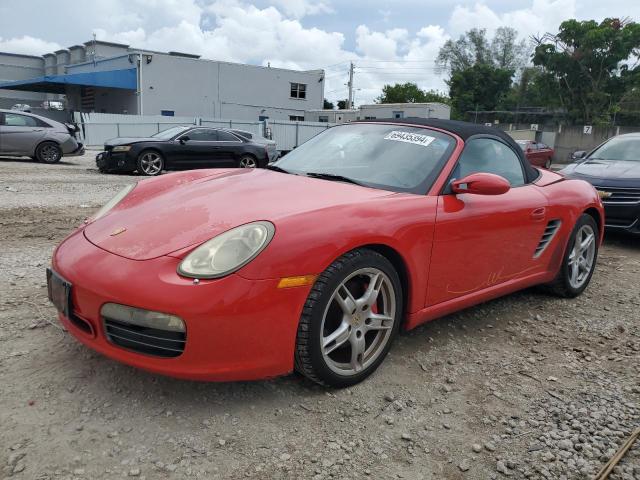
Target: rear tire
<point>150,163</point>
<point>48,152</point>
<point>579,261</point>
<point>349,320</point>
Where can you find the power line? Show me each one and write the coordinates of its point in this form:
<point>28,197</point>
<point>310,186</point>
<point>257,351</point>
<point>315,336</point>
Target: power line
<point>403,68</point>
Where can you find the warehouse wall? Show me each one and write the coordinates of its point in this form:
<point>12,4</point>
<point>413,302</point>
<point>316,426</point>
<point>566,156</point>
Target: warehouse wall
<point>20,67</point>
<point>190,86</point>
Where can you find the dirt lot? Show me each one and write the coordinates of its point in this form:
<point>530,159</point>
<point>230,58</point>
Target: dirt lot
<point>528,386</point>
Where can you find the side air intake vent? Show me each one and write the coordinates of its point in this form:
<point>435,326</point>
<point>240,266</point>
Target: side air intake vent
<point>547,236</point>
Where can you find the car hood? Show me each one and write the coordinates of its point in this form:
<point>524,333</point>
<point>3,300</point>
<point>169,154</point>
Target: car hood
<point>170,214</point>
<point>608,169</point>
<point>128,141</point>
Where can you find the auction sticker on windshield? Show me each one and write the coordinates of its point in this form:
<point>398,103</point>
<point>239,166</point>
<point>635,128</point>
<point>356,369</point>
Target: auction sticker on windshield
<point>415,138</point>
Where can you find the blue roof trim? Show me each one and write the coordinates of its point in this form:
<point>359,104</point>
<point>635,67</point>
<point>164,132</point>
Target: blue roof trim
<point>126,79</point>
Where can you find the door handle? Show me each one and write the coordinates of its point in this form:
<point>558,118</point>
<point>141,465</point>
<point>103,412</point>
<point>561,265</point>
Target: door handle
<point>538,213</point>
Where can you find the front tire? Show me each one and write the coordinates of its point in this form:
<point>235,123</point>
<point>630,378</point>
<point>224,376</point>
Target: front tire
<point>247,161</point>
<point>150,163</point>
<point>48,152</point>
<point>349,320</point>
<point>579,261</point>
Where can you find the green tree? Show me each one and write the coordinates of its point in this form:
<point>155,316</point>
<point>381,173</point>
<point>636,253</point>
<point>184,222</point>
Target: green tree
<point>409,93</point>
<point>588,63</point>
<point>473,55</point>
<point>401,93</point>
<point>328,105</point>
<point>473,48</point>
<point>342,104</point>
<point>480,87</point>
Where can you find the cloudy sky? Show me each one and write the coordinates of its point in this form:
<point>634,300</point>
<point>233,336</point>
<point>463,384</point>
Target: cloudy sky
<point>388,40</point>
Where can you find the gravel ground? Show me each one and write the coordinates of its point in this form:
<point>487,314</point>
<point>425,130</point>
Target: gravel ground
<point>528,386</point>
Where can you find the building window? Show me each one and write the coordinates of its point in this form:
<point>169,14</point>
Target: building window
<point>323,118</point>
<point>167,113</point>
<point>369,118</point>
<point>398,114</point>
<point>298,90</point>
<point>296,118</point>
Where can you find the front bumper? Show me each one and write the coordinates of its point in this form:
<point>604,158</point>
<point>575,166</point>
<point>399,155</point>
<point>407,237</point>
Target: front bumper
<point>236,329</point>
<point>112,162</point>
<point>623,218</point>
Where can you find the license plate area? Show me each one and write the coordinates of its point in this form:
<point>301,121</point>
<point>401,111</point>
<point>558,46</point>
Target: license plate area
<point>59,291</point>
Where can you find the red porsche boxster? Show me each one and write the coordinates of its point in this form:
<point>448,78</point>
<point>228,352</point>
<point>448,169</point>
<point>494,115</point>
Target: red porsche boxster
<point>317,261</point>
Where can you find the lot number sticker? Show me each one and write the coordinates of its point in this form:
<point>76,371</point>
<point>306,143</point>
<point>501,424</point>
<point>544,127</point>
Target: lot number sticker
<point>587,129</point>
<point>415,138</point>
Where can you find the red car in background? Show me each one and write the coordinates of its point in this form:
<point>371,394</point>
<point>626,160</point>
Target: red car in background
<point>315,262</point>
<point>537,153</point>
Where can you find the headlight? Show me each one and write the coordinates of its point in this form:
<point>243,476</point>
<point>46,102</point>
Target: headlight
<point>227,252</point>
<point>122,148</point>
<point>142,318</point>
<point>114,201</point>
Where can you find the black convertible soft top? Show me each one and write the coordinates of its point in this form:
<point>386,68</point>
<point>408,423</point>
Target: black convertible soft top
<point>465,130</point>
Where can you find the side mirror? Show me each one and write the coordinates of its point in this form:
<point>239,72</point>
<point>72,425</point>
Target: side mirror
<point>578,155</point>
<point>481,184</point>
<point>184,139</point>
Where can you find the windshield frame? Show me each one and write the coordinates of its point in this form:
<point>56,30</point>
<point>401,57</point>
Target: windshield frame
<point>422,188</point>
<point>183,128</point>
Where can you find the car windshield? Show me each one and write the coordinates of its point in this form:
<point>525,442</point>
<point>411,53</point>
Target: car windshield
<point>386,156</point>
<point>169,133</point>
<point>619,148</point>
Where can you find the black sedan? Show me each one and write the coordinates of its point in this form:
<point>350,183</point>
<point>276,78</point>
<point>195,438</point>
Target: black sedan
<point>180,148</point>
<point>614,169</point>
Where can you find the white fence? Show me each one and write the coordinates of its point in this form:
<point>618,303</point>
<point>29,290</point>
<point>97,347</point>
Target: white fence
<point>96,128</point>
<point>288,135</point>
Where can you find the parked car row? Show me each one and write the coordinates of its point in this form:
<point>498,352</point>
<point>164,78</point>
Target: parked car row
<point>186,147</point>
<point>23,134</point>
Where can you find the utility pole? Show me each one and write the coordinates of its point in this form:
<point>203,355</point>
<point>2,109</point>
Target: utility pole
<point>350,84</point>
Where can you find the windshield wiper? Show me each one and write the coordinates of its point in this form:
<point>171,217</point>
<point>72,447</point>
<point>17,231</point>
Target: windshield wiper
<point>331,176</point>
<point>276,168</point>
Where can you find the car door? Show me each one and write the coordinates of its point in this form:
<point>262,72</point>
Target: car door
<point>20,134</point>
<point>199,148</point>
<point>230,149</point>
<point>484,240</point>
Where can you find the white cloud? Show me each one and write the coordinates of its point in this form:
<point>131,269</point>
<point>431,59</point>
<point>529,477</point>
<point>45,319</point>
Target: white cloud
<point>27,45</point>
<point>303,8</point>
<point>280,34</point>
<point>541,17</point>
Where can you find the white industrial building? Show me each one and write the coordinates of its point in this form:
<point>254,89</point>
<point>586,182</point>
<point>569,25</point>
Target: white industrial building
<point>114,78</point>
<point>404,110</point>
<point>382,110</point>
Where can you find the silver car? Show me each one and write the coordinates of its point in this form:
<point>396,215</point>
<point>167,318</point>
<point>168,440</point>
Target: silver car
<point>28,135</point>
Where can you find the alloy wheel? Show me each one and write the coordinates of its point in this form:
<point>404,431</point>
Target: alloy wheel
<point>151,163</point>
<point>358,321</point>
<point>582,256</point>
<point>50,153</point>
<point>247,162</point>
